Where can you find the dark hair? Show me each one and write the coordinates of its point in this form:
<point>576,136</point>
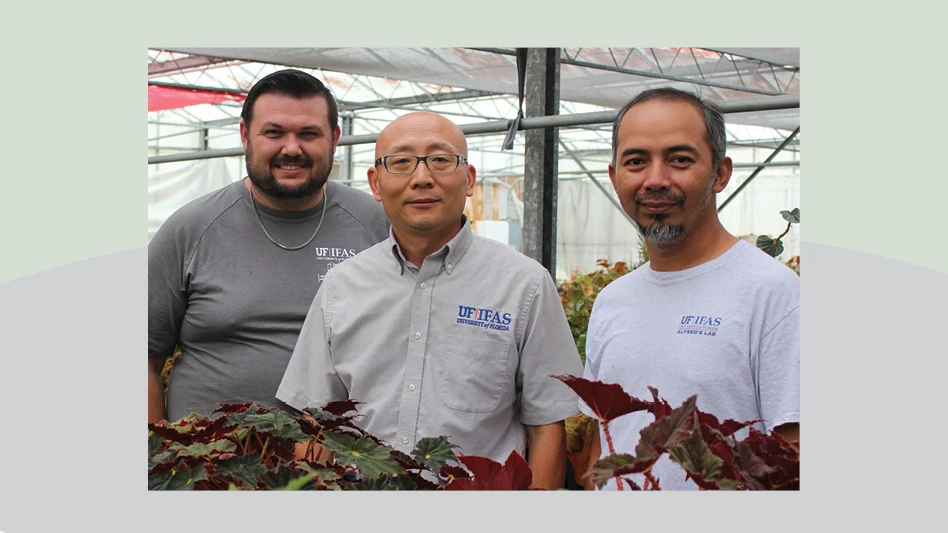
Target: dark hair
<point>293,83</point>
<point>713,119</point>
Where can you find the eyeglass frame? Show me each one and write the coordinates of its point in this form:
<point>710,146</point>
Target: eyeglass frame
<point>420,159</point>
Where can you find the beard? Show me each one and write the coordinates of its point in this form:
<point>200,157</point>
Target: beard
<point>659,232</point>
<point>263,179</point>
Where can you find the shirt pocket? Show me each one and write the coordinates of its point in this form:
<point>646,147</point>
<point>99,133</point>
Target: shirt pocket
<point>474,373</point>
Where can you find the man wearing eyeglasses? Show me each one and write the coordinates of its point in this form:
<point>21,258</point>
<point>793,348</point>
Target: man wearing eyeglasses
<point>438,331</point>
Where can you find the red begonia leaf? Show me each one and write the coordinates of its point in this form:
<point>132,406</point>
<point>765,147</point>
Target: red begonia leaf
<point>341,407</point>
<point>616,465</point>
<point>607,400</point>
<point>727,428</point>
<point>453,472</point>
<point>700,464</point>
<point>667,431</point>
<point>514,474</point>
<point>659,406</point>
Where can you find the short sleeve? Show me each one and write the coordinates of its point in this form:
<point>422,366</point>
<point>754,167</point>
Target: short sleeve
<point>593,352</point>
<point>167,295</point>
<point>310,379</point>
<point>777,372</point>
<point>547,349</point>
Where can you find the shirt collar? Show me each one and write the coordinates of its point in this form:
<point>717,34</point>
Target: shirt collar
<point>452,251</point>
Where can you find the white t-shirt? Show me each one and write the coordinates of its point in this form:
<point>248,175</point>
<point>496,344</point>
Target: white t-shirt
<point>727,330</point>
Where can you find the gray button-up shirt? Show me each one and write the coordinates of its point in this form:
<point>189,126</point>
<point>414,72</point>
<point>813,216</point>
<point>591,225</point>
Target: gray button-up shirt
<point>462,347</point>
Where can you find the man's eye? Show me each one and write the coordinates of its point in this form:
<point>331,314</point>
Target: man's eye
<point>635,161</point>
<point>309,134</point>
<point>399,161</point>
<point>271,133</point>
<point>681,160</point>
<point>439,159</point>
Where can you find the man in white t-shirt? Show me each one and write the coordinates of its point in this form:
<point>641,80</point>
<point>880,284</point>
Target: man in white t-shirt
<point>709,314</point>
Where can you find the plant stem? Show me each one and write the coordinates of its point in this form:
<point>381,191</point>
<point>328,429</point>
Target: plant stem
<point>612,450</point>
<point>263,452</point>
<point>785,231</point>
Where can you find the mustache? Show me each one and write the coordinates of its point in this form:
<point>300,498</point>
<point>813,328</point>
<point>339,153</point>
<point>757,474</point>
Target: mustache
<point>658,196</point>
<point>300,160</point>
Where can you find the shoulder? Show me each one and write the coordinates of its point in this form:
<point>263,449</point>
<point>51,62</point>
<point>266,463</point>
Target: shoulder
<point>192,219</point>
<point>360,205</point>
<point>620,287</point>
<point>759,267</point>
<point>492,254</point>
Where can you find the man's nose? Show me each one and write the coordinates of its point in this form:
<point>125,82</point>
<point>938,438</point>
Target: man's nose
<point>291,146</point>
<point>657,176</point>
<point>421,176</point>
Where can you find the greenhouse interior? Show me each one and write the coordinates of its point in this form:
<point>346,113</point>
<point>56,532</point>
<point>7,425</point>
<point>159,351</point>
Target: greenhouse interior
<point>567,98</point>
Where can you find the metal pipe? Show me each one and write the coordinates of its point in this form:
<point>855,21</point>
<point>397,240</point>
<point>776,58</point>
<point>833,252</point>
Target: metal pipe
<point>645,73</point>
<point>501,126</point>
<point>759,168</point>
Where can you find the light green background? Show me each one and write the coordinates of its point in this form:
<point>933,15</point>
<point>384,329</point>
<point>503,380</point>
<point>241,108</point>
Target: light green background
<point>73,140</point>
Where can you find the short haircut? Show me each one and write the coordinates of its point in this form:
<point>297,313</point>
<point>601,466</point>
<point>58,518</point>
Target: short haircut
<point>293,83</point>
<point>713,119</point>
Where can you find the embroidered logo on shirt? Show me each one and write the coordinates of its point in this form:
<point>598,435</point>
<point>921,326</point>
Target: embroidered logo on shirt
<point>699,325</point>
<point>483,317</point>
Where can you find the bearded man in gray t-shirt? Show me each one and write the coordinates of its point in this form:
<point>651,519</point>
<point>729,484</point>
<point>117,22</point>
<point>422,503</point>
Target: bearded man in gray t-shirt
<point>708,314</point>
<point>232,274</point>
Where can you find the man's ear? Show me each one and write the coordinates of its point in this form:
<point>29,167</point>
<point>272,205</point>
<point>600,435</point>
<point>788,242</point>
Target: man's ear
<point>244,134</point>
<point>335,137</point>
<point>374,183</point>
<point>722,175</point>
<point>471,179</point>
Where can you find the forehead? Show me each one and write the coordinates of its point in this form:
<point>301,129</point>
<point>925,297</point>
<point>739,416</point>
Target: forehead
<point>657,123</point>
<point>290,111</point>
<point>420,135</point>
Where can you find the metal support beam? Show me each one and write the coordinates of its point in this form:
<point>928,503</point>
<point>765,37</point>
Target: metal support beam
<point>647,74</point>
<point>346,169</point>
<point>501,126</point>
<point>541,151</point>
<point>612,199</point>
<point>759,168</point>
<point>186,64</point>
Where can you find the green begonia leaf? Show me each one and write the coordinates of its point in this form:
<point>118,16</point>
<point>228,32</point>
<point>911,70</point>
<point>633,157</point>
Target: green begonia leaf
<point>182,478</point>
<point>772,246</point>
<point>369,457</point>
<point>247,469</point>
<point>434,452</point>
<point>792,216</point>
<point>200,449</point>
<point>277,423</point>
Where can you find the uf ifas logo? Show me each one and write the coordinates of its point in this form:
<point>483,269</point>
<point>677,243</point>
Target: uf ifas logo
<point>483,317</point>
<point>699,325</point>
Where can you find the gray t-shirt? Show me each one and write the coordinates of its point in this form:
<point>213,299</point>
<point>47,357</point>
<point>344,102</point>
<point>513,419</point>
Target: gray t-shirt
<point>462,347</point>
<point>232,300</point>
<point>727,330</point>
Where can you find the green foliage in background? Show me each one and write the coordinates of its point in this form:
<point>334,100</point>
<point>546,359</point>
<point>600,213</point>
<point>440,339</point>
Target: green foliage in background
<point>578,293</point>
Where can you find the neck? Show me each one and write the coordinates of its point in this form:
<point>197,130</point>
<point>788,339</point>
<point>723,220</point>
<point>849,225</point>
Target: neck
<point>284,204</point>
<point>708,242</point>
<point>416,247</point>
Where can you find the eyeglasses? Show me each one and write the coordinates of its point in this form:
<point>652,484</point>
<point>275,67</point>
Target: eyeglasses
<point>406,164</point>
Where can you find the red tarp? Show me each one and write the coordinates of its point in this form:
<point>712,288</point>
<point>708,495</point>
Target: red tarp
<point>161,98</point>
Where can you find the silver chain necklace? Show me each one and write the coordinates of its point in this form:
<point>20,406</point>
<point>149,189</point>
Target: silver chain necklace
<point>267,233</point>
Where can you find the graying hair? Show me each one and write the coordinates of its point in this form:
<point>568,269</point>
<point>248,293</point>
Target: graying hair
<point>713,119</point>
